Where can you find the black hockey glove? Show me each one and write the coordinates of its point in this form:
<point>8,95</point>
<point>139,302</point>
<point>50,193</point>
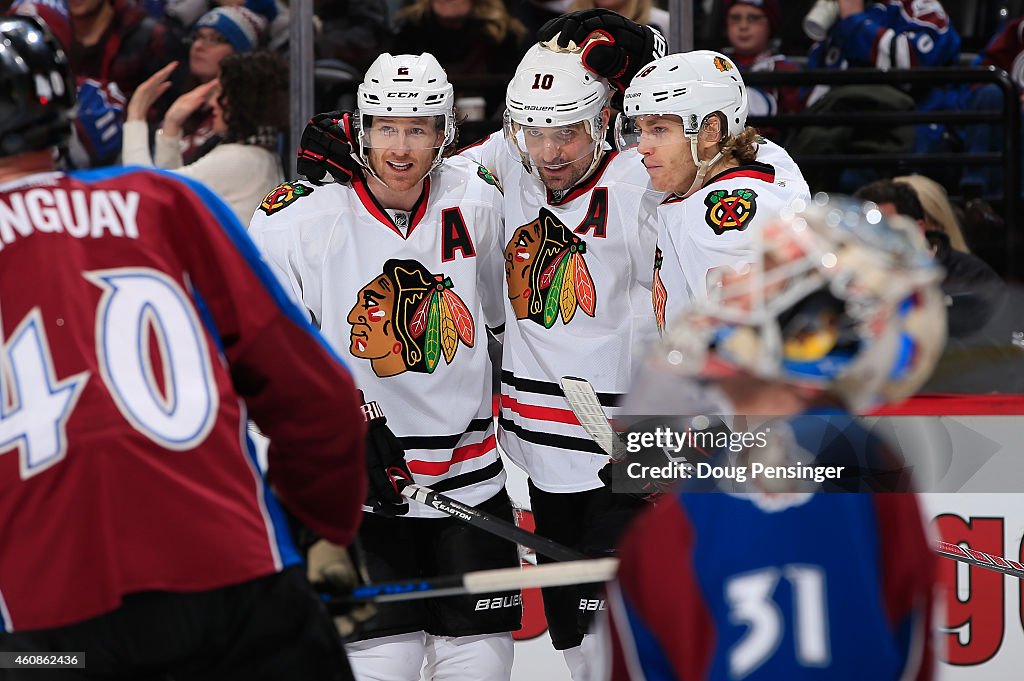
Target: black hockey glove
<point>385,463</point>
<point>337,570</point>
<point>326,147</point>
<point>618,47</point>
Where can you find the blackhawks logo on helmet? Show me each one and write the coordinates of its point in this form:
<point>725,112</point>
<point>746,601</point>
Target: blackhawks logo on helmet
<point>407,319</point>
<point>722,64</point>
<point>283,196</point>
<point>730,210</point>
<point>546,272</point>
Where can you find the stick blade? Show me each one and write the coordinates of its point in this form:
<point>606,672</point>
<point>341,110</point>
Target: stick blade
<point>583,401</point>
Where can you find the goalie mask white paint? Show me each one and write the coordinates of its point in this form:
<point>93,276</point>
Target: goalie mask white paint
<point>405,85</point>
<point>552,89</point>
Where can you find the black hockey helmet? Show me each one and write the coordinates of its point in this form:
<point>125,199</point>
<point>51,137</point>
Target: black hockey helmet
<point>37,93</point>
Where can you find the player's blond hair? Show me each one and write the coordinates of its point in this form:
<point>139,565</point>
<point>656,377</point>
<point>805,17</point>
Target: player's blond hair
<point>498,23</point>
<point>742,147</point>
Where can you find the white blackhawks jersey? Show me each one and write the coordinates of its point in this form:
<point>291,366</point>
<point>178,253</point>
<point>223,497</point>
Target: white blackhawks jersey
<point>404,299</point>
<point>578,285</point>
<point>716,225</point>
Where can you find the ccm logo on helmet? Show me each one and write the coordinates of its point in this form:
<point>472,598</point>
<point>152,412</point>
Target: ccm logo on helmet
<point>498,603</point>
<point>400,95</point>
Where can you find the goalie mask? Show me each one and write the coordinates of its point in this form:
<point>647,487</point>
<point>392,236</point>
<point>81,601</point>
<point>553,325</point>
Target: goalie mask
<point>686,89</point>
<point>404,86</point>
<point>835,298</point>
<point>554,113</point>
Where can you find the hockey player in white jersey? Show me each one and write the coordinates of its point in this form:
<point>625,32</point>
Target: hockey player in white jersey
<point>402,271</point>
<point>686,115</point>
<point>580,230</point>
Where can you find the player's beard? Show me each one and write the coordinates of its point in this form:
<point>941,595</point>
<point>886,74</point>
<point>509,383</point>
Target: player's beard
<point>567,177</point>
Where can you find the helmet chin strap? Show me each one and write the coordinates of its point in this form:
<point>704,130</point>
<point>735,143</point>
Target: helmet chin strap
<point>702,167</point>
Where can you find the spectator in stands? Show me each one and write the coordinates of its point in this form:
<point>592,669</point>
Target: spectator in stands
<point>939,215</point>
<point>114,46</point>
<point>898,34</point>
<point>1004,51</point>
<point>981,355</point>
<point>534,13</point>
<point>641,11</point>
<point>468,38</point>
<point>249,100</point>
<point>751,26</point>
<point>53,12</point>
<point>180,16</point>
<point>353,31</point>
<point>217,34</point>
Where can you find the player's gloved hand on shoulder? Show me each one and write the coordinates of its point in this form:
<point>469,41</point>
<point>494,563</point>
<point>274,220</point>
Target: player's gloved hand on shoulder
<point>337,570</point>
<point>385,463</point>
<point>618,47</point>
<point>326,147</point>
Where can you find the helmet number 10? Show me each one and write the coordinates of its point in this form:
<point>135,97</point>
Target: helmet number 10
<point>543,81</point>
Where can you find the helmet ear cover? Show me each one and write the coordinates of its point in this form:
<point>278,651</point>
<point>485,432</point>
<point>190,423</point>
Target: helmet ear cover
<point>37,92</point>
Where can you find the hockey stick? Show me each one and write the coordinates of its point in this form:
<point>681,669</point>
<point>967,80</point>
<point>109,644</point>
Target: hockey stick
<point>589,571</point>
<point>583,401</point>
<point>587,408</point>
<point>979,559</point>
<point>582,572</point>
<point>488,522</point>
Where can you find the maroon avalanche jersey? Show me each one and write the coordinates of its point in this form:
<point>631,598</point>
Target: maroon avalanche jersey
<point>139,330</point>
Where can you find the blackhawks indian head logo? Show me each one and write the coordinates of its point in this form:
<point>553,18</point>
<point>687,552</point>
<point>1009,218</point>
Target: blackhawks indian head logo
<point>546,272</point>
<point>407,319</point>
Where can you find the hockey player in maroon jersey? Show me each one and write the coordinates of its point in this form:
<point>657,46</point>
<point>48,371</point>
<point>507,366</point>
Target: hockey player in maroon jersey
<point>140,330</point>
<point>401,268</point>
<point>767,577</point>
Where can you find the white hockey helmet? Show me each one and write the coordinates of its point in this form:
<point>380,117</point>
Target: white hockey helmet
<point>835,297</point>
<point>405,85</point>
<point>691,85</point>
<point>552,89</point>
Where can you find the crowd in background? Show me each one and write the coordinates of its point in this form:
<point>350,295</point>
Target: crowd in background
<point>155,85</point>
